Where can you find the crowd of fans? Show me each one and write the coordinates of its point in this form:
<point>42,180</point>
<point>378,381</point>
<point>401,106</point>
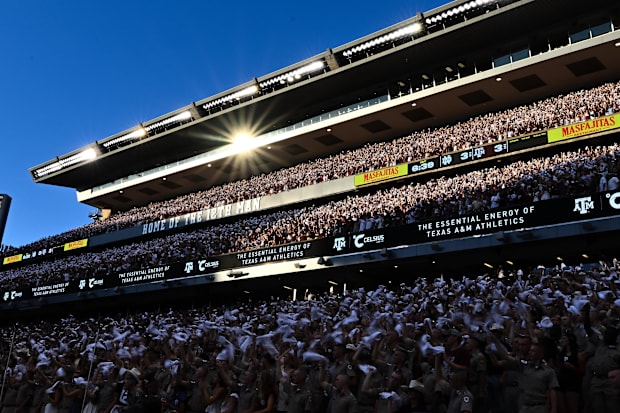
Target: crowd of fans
<point>543,339</point>
<point>564,174</point>
<point>548,113</point>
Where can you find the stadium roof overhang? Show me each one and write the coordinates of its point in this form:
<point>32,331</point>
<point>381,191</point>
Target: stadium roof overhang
<point>582,64</point>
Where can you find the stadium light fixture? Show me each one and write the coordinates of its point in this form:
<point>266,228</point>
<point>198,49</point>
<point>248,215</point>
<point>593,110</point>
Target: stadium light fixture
<point>133,135</point>
<point>293,75</point>
<point>405,31</point>
<point>85,155</point>
<point>458,10</point>
<point>48,169</point>
<point>486,264</point>
<point>183,116</point>
<point>243,93</point>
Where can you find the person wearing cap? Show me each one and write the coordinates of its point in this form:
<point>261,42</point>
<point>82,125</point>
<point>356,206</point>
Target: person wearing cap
<point>388,345</point>
<point>387,399</point>
<point>417,398</point>
<point>461,399</point>
<point>399,363</point>
<point>128,393</point>
<point>299,397</point>
<point>230,403</point>
<point>351,355</point>
<point>456,355</point>
<point>341,364</point>
<point>536,380</point>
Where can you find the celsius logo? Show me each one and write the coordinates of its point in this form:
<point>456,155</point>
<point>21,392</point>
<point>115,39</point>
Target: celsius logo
<point>361,239</point>
<point>583,205</point>
<point>12,295</point>
<point>614,202</point>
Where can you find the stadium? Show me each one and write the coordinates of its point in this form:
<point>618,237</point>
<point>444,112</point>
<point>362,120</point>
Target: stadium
<point>451,172</point>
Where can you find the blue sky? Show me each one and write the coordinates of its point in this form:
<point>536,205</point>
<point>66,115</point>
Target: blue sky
<point>72,72</point>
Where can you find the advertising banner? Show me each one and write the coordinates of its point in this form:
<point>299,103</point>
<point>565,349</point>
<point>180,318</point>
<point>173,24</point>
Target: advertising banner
<point>73,245</point>
<point>584,128</point>
<point>532,215</point>
<point>12,259</point>
<point>380,175</point>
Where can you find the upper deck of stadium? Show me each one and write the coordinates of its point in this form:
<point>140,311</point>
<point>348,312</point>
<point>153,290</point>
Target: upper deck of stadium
<point>461,59</point>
